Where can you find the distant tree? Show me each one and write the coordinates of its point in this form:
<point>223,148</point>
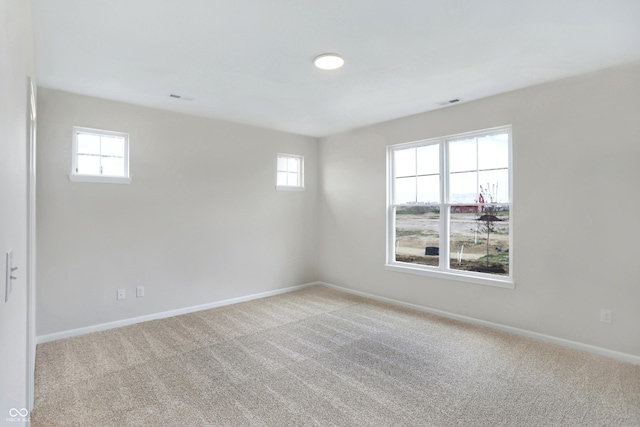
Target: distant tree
<point>488,211</point>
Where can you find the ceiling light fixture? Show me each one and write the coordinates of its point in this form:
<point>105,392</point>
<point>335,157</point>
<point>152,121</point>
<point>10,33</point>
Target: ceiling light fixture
<point>328,61</point>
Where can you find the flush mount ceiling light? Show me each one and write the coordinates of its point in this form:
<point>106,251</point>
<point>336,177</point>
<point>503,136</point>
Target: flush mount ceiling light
<point>328,61</point>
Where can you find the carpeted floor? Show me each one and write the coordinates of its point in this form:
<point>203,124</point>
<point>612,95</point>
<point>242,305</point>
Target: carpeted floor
<point>318,357</point>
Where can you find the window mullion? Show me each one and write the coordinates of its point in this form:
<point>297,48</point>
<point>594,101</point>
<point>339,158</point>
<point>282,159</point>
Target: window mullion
<point>444,199</point>
<point>477,170</point>
<point>100,156</point>
<point>416,175</point>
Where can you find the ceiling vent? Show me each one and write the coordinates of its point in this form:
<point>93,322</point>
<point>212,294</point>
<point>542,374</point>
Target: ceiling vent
<point>451,101</point>
<point>184,98</point>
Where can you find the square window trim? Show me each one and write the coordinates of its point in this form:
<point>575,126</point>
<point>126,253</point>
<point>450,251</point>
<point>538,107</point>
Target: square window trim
<point>300,172</point>
<point>90,178</point>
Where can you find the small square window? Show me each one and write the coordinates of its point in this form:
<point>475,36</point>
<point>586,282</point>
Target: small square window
<point>100,156</point>
<point>290,172</point>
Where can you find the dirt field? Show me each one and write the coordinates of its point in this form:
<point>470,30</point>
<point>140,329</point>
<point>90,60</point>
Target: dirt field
<point>416,231</point>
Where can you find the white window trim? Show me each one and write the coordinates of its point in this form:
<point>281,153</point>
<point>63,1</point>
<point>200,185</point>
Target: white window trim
<point>99,179</point>
<point>105,179</point>
<point>300,186</point>
<point>441,271</point>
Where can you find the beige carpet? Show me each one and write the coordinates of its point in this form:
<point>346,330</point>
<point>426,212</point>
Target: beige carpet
<point>318,357</point>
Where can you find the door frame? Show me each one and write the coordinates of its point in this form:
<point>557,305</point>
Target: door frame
<point>31,241</point>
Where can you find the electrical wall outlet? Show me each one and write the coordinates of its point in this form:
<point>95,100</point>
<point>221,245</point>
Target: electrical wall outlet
<point>605,315</point>
<point>139,291</point>
<point>120,294</point>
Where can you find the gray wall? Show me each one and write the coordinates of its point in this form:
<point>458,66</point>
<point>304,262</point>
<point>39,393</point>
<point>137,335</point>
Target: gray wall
<point>16,64</point>
<point>576,150</point>
<point>201,221</point>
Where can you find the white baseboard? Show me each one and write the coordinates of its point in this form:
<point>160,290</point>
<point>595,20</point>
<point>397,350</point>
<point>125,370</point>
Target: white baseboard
<point>624,357</point>
<point>133,320</point>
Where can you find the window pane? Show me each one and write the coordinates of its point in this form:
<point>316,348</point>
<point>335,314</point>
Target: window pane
<point>112,146</point>
<point>282,163</point>
<point>496,183</point>
<point>462,155</point>
<point>417,234</point>
<point>428,159</point>
<point>292,178</point>
<point>493,151</point>
<point>405,190</point>
<point>88,165</point>
<point>479,239</point>
<point>463,187</point>
<point>292,164</point>
<point>113,166</point>
<point>282,178</point>
<point>88,143</point>
<point>405,162</point>
<point>428,189</point>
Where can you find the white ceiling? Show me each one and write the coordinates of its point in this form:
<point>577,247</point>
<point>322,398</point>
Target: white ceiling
<point>250,61</point>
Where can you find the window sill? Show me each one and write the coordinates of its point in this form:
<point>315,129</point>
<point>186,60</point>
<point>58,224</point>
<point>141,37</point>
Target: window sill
<point>506,283</point>
<point>100,179</point>
<point>289,188</point>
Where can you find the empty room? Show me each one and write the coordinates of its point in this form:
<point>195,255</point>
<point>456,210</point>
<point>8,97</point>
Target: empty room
<point>336,213</point>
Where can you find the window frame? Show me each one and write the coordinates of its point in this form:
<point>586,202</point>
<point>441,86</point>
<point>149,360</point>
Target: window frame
<point>300,172</point>
<point>108,179</point>
<point>443,270</point>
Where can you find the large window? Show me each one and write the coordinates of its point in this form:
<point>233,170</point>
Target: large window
<point>450,207</point>
<point>100,156</point>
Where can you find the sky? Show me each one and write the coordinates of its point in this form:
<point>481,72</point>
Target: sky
<point>473,163</point>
